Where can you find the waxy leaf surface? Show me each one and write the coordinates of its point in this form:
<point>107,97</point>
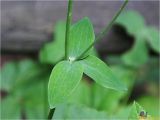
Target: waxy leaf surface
<point>64,79</point>
<point>101,73</point>
<point>81,36</point>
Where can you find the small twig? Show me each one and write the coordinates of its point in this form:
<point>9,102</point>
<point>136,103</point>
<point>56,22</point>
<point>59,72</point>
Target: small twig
<point>68,24</point>
<point>51,112</point>
<point>105,30</point>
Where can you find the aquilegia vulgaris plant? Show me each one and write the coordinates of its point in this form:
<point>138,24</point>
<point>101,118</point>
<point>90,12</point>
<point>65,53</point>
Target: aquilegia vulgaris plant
<point>66,75</point>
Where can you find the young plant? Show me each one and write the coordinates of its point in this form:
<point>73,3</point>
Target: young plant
<point>66,75</point>
<point>54,51</point>
<point>135,26</point>
<point>22,81</point>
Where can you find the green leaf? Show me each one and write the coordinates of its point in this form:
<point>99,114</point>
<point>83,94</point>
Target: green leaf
<point>126,74</point>
<point>152,36</point>
<point>8,76</point>
<point>152,109</point>
<point>101,73</point>
<point>132,21</point>
<point>74,112</point>
<point>105,99</point>
<point>16,74</point>
<point>81,95</point>
<point>10,108</point>
<point>80,37</point>
<point>36,108</point>
<point>54,51</point>
<point>137,55</point>
<point>64,79</point>
<point>135,112</point>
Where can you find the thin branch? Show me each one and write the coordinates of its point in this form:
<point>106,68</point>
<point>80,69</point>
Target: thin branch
<point>105,30</point>
<point>68,24</point>
<point>51,112</point>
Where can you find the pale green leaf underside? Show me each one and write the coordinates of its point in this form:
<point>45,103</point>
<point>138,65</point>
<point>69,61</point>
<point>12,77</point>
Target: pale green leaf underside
<point>101,73</point>
<point>138,55</point>
<point>54,51</point>
<point>132,21</point>
<point>80,37</point>
<point>64,79</point>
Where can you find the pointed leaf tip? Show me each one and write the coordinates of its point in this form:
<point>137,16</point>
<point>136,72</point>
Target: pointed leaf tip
<point>101,73</point>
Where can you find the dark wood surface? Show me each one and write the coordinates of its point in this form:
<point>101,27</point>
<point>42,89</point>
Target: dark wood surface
<point>27,25</point>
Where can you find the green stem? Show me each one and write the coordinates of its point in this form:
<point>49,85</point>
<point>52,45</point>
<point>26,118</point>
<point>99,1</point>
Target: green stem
<point>68,24</point>
<point>51,112</point>
<point>105,30</point>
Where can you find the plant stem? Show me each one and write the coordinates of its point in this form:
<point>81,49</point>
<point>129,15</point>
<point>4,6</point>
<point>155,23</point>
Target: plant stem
<point>105,30</point>
<point>51,112</point>
<point>68,24</point>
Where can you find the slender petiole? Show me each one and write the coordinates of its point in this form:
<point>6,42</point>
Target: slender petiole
<point>68,24</point>
<point>105,30</point>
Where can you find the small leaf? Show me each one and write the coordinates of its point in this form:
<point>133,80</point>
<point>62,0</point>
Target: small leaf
<point>132,21</point>
<point>54,51</point>
<point>101,73</point>
<point>136,111</point>
<point>153,38</point>
<point>80,37</point>
<point>64,79</point>
<point>138,55</point>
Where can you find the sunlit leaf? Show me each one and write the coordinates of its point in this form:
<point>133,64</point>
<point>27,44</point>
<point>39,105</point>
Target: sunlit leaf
<point>101,73</point>
<point>64,78</point>
<point>80,37</point>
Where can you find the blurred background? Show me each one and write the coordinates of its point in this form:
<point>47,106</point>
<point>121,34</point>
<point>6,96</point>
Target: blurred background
<point>27,26</point>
